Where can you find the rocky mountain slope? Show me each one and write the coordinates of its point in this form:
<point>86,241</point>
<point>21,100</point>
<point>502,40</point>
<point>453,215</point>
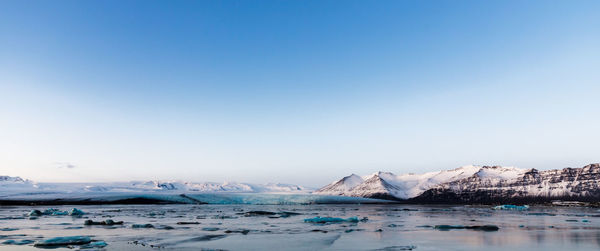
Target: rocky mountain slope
<point>532,185</point>
<point>388,185</point>
<point>475,184</point>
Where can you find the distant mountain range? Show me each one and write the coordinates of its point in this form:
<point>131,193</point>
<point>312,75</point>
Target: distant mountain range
<point>464,185</point>
<point>11,186</point>
<point>474,184</point>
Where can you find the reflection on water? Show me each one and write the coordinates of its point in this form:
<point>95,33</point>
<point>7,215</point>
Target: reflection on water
<point>282,227</point>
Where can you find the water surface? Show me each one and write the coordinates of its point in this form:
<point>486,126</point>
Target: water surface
<point>387,227</point>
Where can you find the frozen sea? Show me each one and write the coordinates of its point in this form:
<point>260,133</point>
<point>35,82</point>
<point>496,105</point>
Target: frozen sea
<point>386,227</point>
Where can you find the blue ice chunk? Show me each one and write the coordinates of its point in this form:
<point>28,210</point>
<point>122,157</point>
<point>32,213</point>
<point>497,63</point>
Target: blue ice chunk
<point>54,211</point>
<point>75,212</point>
<point>95,245</point>
<point>511,207</point>
<point>14,242</point>
<point>35,212</point>
<point>63,241</point>
<point>142,226</point>
<point>330,220</point>
<point>542,214</point>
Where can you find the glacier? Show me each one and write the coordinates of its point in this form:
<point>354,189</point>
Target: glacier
<point>15,190</point>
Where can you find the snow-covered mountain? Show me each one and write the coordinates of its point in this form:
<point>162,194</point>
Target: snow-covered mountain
<point>386,184</point>
<point>15,183</point>
<point>520,185</point>
<point>10,186</point>
<point>467,184</point>
<point>17,191</point>
<point>8,179</point>
<point>470,184</point>
<point>342,186</point>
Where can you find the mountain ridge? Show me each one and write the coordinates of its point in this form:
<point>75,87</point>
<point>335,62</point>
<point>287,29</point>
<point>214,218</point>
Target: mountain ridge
<point>477,184</point>
<point>12,185</point>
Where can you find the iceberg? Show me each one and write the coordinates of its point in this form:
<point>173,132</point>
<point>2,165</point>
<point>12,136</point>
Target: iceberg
<point>63,241</point>
<point>54,212</point>
<point>188,223</point>
<point>511,207</point>
<point>35,212</point>
<point>258,213</point>
<point>142,226</point>
<point>18,243</point>
<point>75,212</point>
<point>487,228</point>
<point>331,220</point>
<point>108,222</point>
<point>95,245</point>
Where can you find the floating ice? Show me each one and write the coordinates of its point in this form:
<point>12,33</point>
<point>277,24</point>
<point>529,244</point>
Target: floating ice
<point>542,214</point>
<point>287,214</point>
<point>95,245</point>
<point>35,212</point>
<point>258,213</point>
<point>330,220</point>
<point>396,248</point>
<point>142,226</point>
<point>481,228</point>
<point>242,231</point>
<point>63,241</point>
<point>108,222</point>
<point>19,242</point>
<point>54,211</point>
<point>511,207</point>
<point>207,238</point>
<point>188,223</point>
<point>75,212</point>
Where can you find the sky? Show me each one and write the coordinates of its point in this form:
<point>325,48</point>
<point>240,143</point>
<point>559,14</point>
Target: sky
<point>299,92</point>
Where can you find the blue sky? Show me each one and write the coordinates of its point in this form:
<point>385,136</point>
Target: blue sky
<point>294,91</point>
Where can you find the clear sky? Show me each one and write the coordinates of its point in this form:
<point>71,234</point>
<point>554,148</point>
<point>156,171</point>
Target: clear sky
<point>299,92</point>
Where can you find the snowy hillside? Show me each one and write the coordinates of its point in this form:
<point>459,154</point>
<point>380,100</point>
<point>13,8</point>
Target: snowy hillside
<point>472,184</point>
<point>489,185</point>
<point>8,183</point>
<point>342,186</point>
<point>14,186</point>
<point>17,191</point>
<point>383,184</point>
<point>467,184</point>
